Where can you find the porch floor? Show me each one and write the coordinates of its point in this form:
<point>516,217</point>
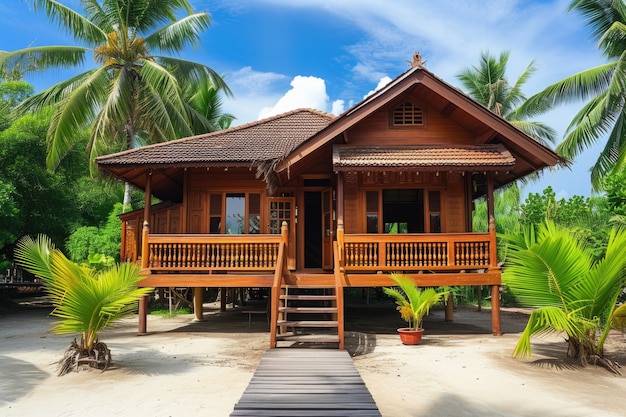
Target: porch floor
<point>306,382</point>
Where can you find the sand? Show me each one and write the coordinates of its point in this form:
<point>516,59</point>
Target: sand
<point>186,368</point>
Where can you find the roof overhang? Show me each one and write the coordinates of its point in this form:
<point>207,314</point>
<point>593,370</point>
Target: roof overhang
<point>422,158</point>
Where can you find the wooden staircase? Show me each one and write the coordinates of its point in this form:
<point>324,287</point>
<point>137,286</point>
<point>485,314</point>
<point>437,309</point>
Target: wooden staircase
<point>307,315</point>
<point>307,309</point>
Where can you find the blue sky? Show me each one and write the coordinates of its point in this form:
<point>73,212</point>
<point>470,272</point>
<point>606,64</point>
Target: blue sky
<point>277,55</point>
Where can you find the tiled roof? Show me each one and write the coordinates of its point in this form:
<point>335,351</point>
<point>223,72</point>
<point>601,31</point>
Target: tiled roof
<point>266,139</point>
<point>421,156</point>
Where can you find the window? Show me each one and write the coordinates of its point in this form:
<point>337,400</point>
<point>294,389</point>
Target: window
<point>434,209</point>
<point>235,213</point>
<point>405,210</point>
<point>371,211</point>
<point>406,114</point>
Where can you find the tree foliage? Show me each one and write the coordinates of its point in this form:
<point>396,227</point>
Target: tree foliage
<point>85,300</point>
<point>587,217</point>
<point>44,201</point>
<point>488,84</point>
<point>550,269</point>
<point>91,240</point>
<point>602,87</point>
<point>134,90</point>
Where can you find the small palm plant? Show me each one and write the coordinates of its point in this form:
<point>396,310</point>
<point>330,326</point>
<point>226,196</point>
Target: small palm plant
<point>413,303</point>
<point>85,300</point>
<point>548,268</point>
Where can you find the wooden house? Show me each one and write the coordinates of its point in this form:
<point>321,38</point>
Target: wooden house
<point>307,200</point>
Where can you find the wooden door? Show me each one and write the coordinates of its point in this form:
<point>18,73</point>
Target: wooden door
<point>328,229</point>
<point>282,209</point>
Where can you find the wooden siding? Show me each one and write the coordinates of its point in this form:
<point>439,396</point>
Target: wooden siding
<point>437,129</point>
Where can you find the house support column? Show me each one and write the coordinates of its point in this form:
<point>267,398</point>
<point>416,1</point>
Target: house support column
<point>198,301</point>
<point>143,301</point>
<point>449,312</point>
<point>493,257</point>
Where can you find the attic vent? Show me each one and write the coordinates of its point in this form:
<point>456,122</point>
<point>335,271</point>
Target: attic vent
<point>406,114</point>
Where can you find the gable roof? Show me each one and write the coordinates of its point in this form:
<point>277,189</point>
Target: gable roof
<point>487,127</point>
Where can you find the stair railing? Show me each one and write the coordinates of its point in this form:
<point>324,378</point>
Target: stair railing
<point>279,276</point>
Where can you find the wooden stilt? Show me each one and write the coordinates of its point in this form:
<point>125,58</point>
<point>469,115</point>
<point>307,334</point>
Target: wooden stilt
<point>223,297</point>
<point>495,310</point>
<point>450,308</point>
<point>143,315</point>
<point>198,300</point>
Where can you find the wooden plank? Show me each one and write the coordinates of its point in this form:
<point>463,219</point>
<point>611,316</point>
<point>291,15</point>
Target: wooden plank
<point>307,383</point>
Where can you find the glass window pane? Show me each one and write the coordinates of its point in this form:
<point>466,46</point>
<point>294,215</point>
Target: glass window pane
<point>235,214</point>
<point>372,223</point>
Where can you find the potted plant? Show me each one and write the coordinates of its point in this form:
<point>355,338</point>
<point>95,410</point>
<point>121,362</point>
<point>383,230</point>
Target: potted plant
<point>413,304</point>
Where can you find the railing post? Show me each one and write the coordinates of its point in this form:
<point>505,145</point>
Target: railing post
<point>143,301</point>
<point>284,233</point>
<point>340,244</point>
<point>493,249</point>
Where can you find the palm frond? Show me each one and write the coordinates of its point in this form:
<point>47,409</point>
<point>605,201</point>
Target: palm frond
<point>548,321</point>
<point>75,24</point>
<point>612,158</point>
<point>43,58</point>
<point>580,86</point>
<point>192,72</point>
<point>600,17</point>
<point>180,33</point>
<point>74,113</point>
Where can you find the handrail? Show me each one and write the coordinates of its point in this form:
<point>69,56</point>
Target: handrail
<point>184,252</point>
<point>339,284</point>
<point>279,274</point>
<point>419,252</point>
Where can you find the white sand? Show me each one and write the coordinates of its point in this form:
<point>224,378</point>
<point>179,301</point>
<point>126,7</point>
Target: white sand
<point>185,369</point>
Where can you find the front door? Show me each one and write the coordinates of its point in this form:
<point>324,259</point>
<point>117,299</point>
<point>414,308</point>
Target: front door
<point>282,209</point>
<point>318,229</point>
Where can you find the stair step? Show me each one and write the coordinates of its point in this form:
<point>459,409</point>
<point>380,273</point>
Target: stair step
<point>311,338</point>
<point>307,309</point>
<point>308,323</point>
<point>301,297</point>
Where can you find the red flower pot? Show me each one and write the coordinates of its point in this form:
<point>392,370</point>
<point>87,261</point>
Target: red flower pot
<point>410,336</point>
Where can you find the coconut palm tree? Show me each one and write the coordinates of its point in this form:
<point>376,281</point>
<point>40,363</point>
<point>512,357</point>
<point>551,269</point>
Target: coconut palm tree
<point>548,268</point>
<point>604,88</point>
<point>133,90</point>
<point>84,299</point>
<point>487,84</point>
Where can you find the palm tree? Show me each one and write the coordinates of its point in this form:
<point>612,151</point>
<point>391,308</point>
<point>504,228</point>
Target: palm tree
<point>549,268</point>
<point>604,87</point>
<point>84,299</point>
<point>488,85</point>
<point>131,92</point>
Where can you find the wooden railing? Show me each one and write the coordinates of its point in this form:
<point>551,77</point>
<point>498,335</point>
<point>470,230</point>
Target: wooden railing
<point>207,253</point>
<point>432,252</point>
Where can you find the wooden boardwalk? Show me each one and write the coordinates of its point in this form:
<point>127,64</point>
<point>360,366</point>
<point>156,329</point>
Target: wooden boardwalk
<point>306,383</point>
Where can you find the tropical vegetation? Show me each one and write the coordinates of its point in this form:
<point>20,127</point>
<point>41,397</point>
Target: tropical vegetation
<point>135,93</point>
<point>603,87</point>
<point>85,300</point>
<point>551,270</point>
<point>414,303</point>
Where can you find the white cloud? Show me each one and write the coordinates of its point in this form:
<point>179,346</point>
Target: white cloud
<point>338,107</point>
<point>305,92</point>
<point>381,83</point>
<point>252,90</point>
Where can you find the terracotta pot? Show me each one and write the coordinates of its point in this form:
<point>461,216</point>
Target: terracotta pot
<point>410,336</point>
